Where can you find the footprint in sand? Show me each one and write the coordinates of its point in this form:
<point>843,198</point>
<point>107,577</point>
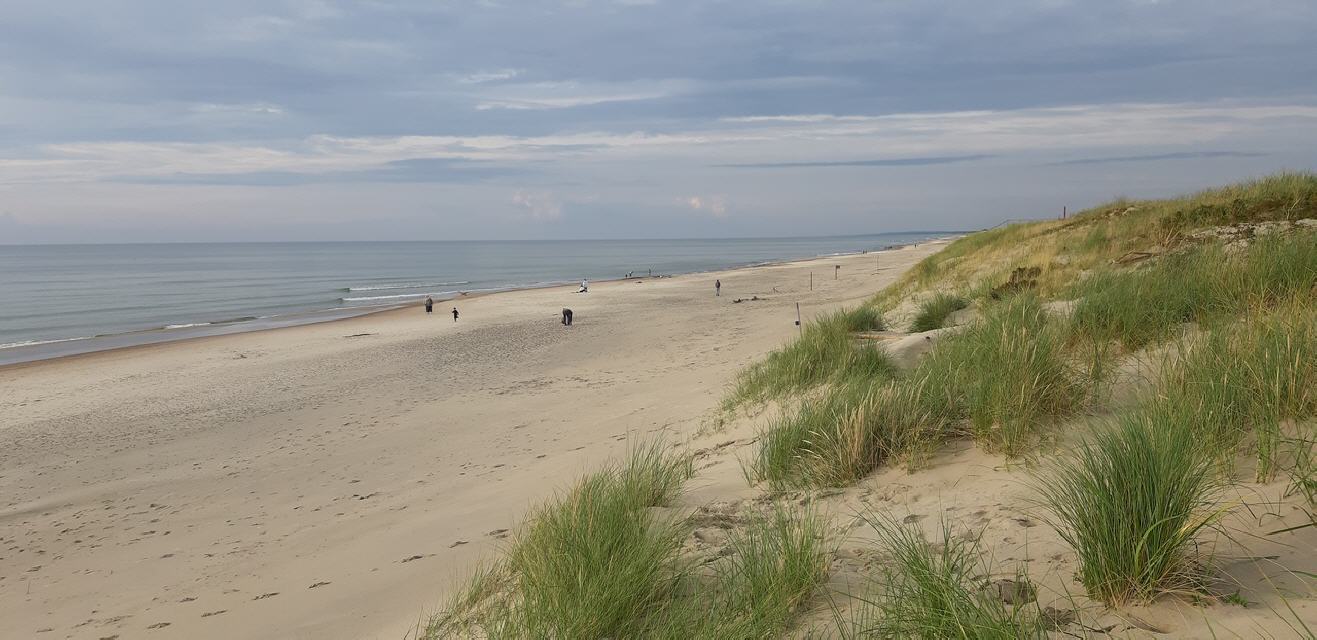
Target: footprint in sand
<point>214,613</point>
<point>318,584</point>
<point>158,625</point>
<point>266,595</point>
<point>457,543</point>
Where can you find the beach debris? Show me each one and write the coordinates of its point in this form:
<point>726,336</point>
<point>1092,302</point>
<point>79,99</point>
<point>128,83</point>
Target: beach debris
<point>750,299</point>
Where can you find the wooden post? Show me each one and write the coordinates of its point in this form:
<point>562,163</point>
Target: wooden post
<point>836,271</point>
<point>799,327</point>
<point>811,281</point>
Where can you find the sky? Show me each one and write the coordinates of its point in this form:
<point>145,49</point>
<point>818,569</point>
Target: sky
<point>169,120</point>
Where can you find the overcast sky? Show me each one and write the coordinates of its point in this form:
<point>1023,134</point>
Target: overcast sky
<point>423,119</point>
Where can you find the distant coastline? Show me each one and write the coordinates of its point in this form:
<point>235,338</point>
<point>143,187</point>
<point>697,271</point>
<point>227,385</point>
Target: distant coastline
<point>409,292</point>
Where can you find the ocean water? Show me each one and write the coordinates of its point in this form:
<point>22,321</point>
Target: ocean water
<point>63,299</point>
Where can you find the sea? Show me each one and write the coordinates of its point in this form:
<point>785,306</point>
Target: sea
<point>58,300</point>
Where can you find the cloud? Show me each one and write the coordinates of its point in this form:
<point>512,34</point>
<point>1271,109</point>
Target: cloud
<point>715,205</point>
<point>540,205</point>
<point>572,94</point>
<point>1182,155</point>
<point>886,162</point>
<point>911,139</point>
<point>494,75</point>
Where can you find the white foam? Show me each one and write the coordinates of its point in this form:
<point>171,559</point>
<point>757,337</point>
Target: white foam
<point>31,343</point>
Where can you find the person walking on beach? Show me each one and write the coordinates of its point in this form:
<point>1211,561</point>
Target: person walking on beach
<point>429,305</point>
<point>454,314</point>
<point>717,287</point>
<point>567,317</point>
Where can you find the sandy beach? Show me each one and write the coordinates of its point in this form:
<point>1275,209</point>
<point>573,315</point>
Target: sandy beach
<point>333,480</point>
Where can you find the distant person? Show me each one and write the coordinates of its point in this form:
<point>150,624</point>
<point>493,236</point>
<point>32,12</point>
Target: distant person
<point>717,287</point>
<point>585,286</point>
<point>454,314</point>
<point>429,305</point>
<point>567,317</point>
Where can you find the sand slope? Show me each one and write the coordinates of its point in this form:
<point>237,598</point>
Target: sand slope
<point>301,483</point>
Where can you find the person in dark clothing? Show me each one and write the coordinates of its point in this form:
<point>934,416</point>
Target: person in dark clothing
<point>454,314</point>
<point>567,317</point>
<point>429,305</point>
<point>717,287</point>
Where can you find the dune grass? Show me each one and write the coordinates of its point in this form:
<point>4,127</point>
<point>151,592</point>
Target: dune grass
<point>599,562</point>
<point>1204,284</point>
<point>1090,240</point>
<point>1245,378</point>
<point>1008,373</point>
<point>825,352</point>
<point>1147,305</point>
<point>934,311</point>
<point>594,563</point>
<point>929,592</point>
<point>852,429</point>
<point>1133,501</point>
<point>776,563</point>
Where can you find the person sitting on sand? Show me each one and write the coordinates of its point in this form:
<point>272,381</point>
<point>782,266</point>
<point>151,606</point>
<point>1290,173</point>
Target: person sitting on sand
<point>454,314</point>
<point>585,286</point>
<point>429,305</point>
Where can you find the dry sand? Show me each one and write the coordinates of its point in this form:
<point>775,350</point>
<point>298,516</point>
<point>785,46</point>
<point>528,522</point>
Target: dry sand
<point>331,481</point>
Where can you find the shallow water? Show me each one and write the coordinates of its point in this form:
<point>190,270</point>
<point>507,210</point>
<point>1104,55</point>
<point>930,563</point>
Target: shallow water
<point>62,299</point>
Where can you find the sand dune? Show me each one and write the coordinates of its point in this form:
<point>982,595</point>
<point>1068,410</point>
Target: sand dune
<point>331,481</point>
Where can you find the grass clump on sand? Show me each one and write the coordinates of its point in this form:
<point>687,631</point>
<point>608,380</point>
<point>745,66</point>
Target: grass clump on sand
<point>1245,378</point>
<point>934,311</point>
<point>600,563</point>
<point>824,352</point>
<point>777,561</point>
<point>1132,501</point>
<point>592,564</point>
<point>929,592</point>
<point>1008,373</point>
<point>847,433</point>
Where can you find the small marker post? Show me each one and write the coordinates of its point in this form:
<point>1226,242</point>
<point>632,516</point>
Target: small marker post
<point>798,325</point>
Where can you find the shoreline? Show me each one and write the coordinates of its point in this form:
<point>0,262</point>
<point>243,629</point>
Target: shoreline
<point>334,480</point>
<point>65,348</point>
